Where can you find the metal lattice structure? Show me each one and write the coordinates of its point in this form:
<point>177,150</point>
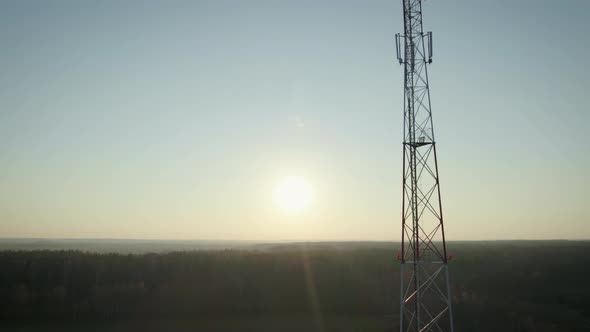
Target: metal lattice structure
<point>425,293</point>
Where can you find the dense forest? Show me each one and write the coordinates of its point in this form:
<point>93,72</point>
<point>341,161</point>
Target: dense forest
<point>497,286</point>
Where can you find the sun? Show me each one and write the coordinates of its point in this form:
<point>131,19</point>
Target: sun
<point>293,194</point>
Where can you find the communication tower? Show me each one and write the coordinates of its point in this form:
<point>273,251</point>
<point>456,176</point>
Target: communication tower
<point>425,300</point>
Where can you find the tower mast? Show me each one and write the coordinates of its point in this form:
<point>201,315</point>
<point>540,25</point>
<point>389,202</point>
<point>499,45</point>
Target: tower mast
<point>425,299</point>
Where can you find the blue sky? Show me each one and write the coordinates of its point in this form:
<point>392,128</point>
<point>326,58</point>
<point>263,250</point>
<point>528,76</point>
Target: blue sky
<point>176,119</point>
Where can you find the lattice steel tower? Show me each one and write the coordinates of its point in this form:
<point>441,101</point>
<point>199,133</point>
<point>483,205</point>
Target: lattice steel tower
<point>425,293</point>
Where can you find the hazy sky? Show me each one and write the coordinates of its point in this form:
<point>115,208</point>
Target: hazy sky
<point>176,119</point>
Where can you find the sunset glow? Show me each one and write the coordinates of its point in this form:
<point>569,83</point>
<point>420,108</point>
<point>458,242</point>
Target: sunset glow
<point>293,194</point>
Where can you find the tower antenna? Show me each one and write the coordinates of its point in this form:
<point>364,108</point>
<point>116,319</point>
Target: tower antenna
<point>425,299</point>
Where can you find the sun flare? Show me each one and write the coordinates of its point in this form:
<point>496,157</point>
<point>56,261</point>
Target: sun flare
<point>293,194</point>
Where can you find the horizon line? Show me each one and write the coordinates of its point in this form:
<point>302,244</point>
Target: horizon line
<point>264,241</point>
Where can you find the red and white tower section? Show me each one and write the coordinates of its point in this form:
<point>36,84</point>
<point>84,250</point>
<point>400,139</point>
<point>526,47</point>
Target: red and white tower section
<point>425,292</point>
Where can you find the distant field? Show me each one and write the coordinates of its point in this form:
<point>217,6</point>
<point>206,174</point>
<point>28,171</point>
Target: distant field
<point>120,246</point>
<point>327,286</point>
<point>290,323</point>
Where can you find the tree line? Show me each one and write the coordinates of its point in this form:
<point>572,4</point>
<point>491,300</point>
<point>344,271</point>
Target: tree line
<point>522,286</point>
